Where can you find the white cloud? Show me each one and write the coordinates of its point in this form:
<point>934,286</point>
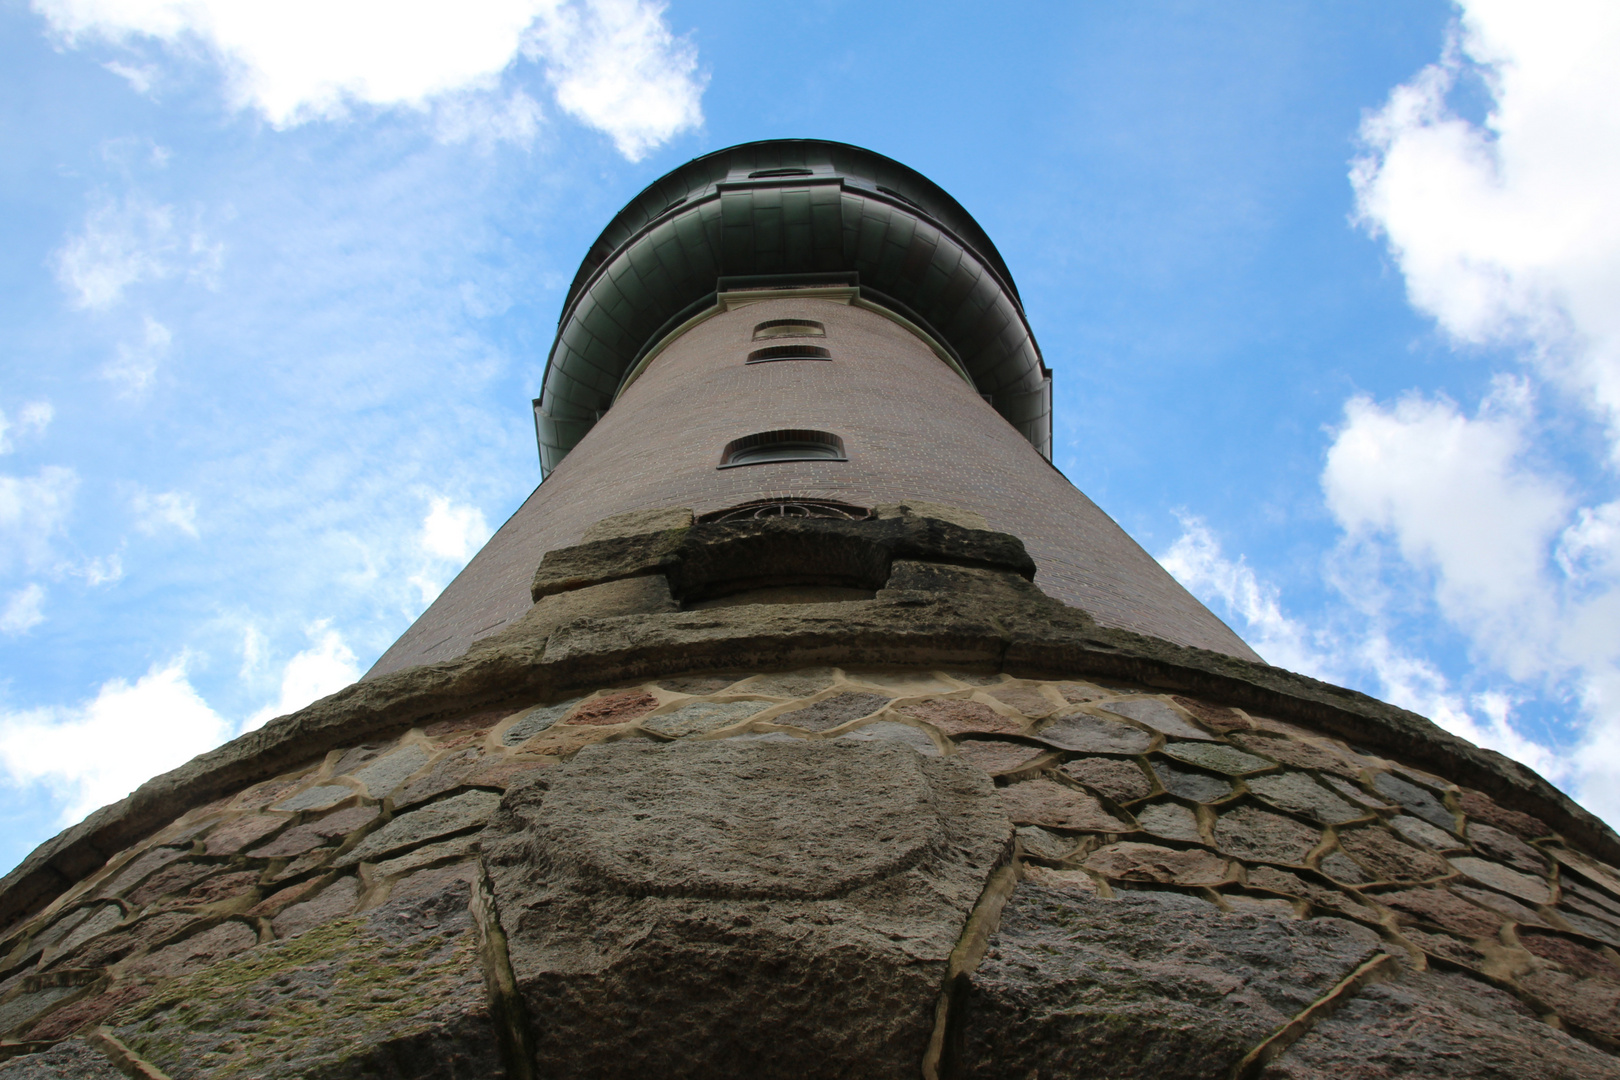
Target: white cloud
<point>32,420</point>
<point>98,752</point>
<point>453,532</point>
<point>485,120</point>
<point>23,610</point>
<point>613,63</point>
<point>33,511</point>
<point>137,363</point>
<point>122,244</point>
<point>165,510</point>
<point>1505,230</point>
<point>326,667</point>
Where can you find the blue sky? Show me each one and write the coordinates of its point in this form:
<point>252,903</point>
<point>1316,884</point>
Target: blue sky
<point>1327,289</point>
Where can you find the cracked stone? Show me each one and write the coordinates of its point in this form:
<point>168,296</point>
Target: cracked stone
<point>448,773</point>
<point>19,1010</point>
<point>1216,757</point>
<point>1506,847</point>
<point>78,928</point>
<point>425,855</point>
<point>832,711</point>
<point>458,813</point>
<point>1171,821</point>
<point>996,756</point>
<point>332,902</point>
<point>276,901</point>
<point>1131,861</point>
<point>153,860</point>
<point>218,888</point>
<point>241,834</point>
<point>956,717</point>
<point>1158,716</point>
<point>702,717</point>
<point>1251,833</point>
<point>616,708</point>
<point>1496,876</point>
<point>1572,955</point>
<point>1443,909</point>
<point>1269,877</point>
<point>1301,794</point>
<point>1421,802</point>
<point>316,833</point>
<point>1591,1003</point>
<point>1094,735</point>
<point>1122,781</point>
<point>1389,859</point>
<point>1197,786</point>
<point>1438,1026</point>
<point>1481,807</point>
<point>1048,803</point>
<point>535,721</point>
<point>386,774</point>
<point>1149,985</point>
<point>110,948</point>
<point>1046,845</point>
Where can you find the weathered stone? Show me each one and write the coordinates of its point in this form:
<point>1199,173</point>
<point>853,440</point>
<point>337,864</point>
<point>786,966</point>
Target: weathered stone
<point>1215,717</point>
<point>1197,786</point>
<point>23,1008</point>
<point>1122,781</point>
<point>384,775</point>
<point>1077,881</point>
<point>1146,986</point>
<point>507,773</point>
<point>1169,820</point>
<point>1437,1026</point>
<point>218,888</point>
<point>333,902</point>
<point>651,890</point>
<point>1042,844</point>
<point>110,948</point>
<point>1130,861</point>
<point>1600,874</point>
<point>1496,876</point>
<point>174,878</point>
<point>356,756</point>
<point>302,865</point>
<point>832,711</point>
<point>93,1008</point>
<point>1301,794</point>
<point>1048,803</point>
<point>195,952</point>
<point>241,834</point>
<point>892,731</point>
<point>1217,757</point>
<point>1574,886</point>
<point>1339,867</point>
<point>458,813</point>
<point>72,1060</point>
<point>1243,904</point>
<point>280,899</point>
<point>535,721</point>
<point>792,684</point>
<point>1600,929</point>
<point>698,684</point>
<point>1572,955</point>
<point>1158,716</point>
<point>80,927</point>
<point>996,756</point>
<point>1388,859</point>
<point>1078,693</point>
<point>1355,794</point>
<point>1593,1004</point>
<point>1506,847</point>
<point>316,798</point>
<point>1094,735</point>
<point>1301,755</point>
<point>451,771</point>
<point>1251,833</point>
<point>1446,947</point>
<point>1269,877</point>
<point>701,717</point>
<point>1481,807</point>
<point>148,863</point>
<point>1443,909</point>
<point>455,848</point>
<point>1421,832</point>
<point>316,833</point>
<point>1500,904</point>
<point>616,708</point>
<point>1026,699</point>
<point>1419,801</point>
<point>397,993</point>
<point>955,717</point>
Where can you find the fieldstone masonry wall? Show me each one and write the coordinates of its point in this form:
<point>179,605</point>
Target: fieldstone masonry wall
<point>771,874</point>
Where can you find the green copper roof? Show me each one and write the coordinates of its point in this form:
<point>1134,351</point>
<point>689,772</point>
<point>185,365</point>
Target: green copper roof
<point>789,211</point>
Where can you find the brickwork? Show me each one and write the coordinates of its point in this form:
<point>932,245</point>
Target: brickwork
<point>912,428</point>
<point>302,922</point>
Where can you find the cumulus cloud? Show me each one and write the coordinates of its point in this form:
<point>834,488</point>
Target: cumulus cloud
<point>326,667</point>
<point>97,752</point>
<point>613,64</point>
<point>32,420</point>
<point>450,536</point>
<point>23,610</point>
<point>165,510</point>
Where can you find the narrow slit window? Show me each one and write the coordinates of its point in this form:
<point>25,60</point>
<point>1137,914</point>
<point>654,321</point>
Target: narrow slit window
<point>786,445</point>
<point>760,174</point>
<point>788,352</point>
<point>782,328</point>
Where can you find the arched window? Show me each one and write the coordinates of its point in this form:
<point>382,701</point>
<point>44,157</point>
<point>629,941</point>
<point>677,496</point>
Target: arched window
<point>780,328</point>
<point>786,445</point>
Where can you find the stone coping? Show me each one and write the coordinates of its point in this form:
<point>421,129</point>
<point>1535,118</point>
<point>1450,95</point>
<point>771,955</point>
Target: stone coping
<point>928,615</point>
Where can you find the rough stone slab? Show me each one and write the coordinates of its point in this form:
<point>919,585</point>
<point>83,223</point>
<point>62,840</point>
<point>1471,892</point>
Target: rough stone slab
<point>1150,863</point>
<point>111,948</point>
<point>1421,802</point>
<point>1344,903</point>
<point>1301,755</point>
<point>1251,833</point>
<point>1302,795</point>
<point>1421,832</point>
<point>24,1007</point>
<point>1150,985</point>
<point>536,720</point>
<point>1043,844</point>
<point>1444,909</point>
<point>1089,734</point>
<point>1122,781</point>
<point>1481,807</point>
<point>616,708</point>
<point>385,774</point>
<point>1169,820</point>
<point>1158,716</point>
<point>333,902</point>
<point>1197,786</point>
<point>195,952</point>
<point>954,717</point>
<point>1216,757</point>
<point>996,756</point>
<point>730,909</point>
<point>455,814</point>
<point>316,798</point>
<point>1533,890</point>
<point>71,1060</point>
<point>831,711</point>
<point>243,833</point>
<point>313,835</point>
<point>701,717</point>
<point>892,731</point>
<point>1505,847</point>
<point>1502,905</point>
<point>1389,859</point>
<point>1027,700</point>
<point>396,993</point>
<point>1438,1026</point>
<point>1048,803</point>
<point>171,879</point>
